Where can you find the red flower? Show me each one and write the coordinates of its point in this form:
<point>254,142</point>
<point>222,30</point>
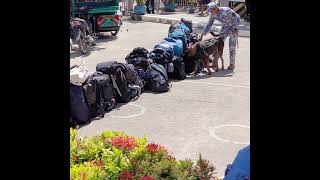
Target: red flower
<point>127,143</point>
<point>154,148</point>
<point>147,178</point>
<point>124,175</point>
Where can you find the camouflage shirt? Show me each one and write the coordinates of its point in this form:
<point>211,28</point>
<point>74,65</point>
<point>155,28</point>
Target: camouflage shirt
<point>229,19</point>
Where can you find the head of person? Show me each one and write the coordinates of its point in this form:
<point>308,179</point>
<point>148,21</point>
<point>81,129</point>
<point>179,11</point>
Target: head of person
<point>213,8</point>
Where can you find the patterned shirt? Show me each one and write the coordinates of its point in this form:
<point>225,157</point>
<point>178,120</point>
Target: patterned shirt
<point>229,19</point>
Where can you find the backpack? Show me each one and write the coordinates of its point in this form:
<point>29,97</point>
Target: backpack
<point>166,47</point>
<point>179,25</point>
<point>179,69</point>
<point>187,23</point>
<point>100,94</point>
<point>240,167</point>
<point>131,75</point>
<point>138,52</point>
<point>162,57</point>
<point>118,78</point>
<point>139,62</point>
<point>79,108</point>
<point>179,34</point>
<point>157,78</point>
<point>177,46</point>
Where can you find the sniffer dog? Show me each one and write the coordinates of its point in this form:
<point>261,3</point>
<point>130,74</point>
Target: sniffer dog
<point>203,50</point>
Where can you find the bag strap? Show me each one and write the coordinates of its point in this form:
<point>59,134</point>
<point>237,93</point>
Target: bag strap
<point>115,85</point>
<point>160,70</point>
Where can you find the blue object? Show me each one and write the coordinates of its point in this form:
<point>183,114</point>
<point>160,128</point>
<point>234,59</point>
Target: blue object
<point>184,28</point>
<point>167,47</point>
<point>240,168</point>
<point>170,7</point>
<point>177,46</point>
<point>179,34</point>
<point>140,9</point>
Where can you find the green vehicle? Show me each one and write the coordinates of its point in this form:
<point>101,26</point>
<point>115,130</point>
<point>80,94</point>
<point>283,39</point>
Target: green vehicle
<point>102,15</point>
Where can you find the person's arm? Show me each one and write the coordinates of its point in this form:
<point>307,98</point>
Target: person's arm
<point>207,28</point>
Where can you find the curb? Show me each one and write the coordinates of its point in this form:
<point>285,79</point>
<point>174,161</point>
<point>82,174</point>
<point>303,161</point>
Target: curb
<point>164,20</point>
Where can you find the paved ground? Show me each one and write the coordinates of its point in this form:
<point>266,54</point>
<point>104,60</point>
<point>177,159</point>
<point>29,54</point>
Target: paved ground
<point>207,114</point>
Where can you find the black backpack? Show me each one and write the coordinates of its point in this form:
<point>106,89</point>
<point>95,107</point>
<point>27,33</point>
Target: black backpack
<point>179,69</point>
<point>157,78</point>
<point>139,57</point>
<point>119,81</point>
<point>79,108</point>
<point>99,93</point>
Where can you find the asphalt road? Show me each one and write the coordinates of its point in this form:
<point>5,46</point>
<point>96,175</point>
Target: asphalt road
<point>205,114</point>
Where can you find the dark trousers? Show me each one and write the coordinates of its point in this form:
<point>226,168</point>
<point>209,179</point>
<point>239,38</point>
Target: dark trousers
<point>151,2</point>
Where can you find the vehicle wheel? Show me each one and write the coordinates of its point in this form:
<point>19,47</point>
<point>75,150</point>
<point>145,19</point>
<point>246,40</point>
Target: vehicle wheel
<point>114,33</point>
<point>82,44</point>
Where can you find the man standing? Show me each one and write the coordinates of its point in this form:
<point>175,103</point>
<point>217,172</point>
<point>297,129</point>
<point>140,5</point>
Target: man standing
<point>230,21</point>
<point>148,4</point>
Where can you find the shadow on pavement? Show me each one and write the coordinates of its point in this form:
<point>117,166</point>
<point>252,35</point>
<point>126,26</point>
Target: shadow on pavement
<point>102,38</point>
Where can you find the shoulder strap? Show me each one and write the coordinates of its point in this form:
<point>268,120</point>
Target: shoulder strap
<point>160,70</point>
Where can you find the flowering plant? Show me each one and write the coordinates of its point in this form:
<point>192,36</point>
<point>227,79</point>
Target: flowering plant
<point>115,155</point>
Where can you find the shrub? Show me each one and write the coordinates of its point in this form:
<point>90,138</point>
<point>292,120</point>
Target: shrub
<point>115,155</point>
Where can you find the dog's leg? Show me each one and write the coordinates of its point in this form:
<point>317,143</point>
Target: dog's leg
<point>207,65</point>
<point>222,61</point>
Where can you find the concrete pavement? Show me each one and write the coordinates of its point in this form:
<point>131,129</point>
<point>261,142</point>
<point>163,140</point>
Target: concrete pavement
<point>205,114</point>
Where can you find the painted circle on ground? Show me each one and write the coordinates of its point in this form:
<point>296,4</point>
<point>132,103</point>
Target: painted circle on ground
<point>139,113</point>
<point>212,132</point>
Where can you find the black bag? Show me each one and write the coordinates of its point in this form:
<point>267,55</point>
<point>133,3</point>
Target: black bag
<point>131,75</point>
<point>119,81</point>
<point>157,78</point>
<point>139,57</point>
<point>179,69</point>
<point>160,56</point>
<point>138,52</point>
<point>139,62</point>
<point>100,94</point>
<point>79,108</point>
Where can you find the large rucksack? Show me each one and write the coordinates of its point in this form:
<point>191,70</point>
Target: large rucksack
<point>162,57</point>
<point>79,108</point>
<point>139,58</point>
<point>179,34</point>
<point>179,69</point>
<point>187,23</point>
<point>100,94</point>
<point>119,81</point>
<point>131,75</point>
<point>177,46</point>
<point>157,78</point>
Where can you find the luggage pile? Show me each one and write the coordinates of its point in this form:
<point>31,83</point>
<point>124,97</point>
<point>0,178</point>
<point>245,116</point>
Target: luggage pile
<point>93,95</point>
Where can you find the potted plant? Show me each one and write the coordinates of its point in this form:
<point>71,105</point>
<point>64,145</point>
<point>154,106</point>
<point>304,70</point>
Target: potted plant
<point>169,5</point>
<point>192,6</point>
<point>140,8</point>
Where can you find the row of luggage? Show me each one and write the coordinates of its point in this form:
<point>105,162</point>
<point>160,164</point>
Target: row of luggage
<point>93,95</point>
